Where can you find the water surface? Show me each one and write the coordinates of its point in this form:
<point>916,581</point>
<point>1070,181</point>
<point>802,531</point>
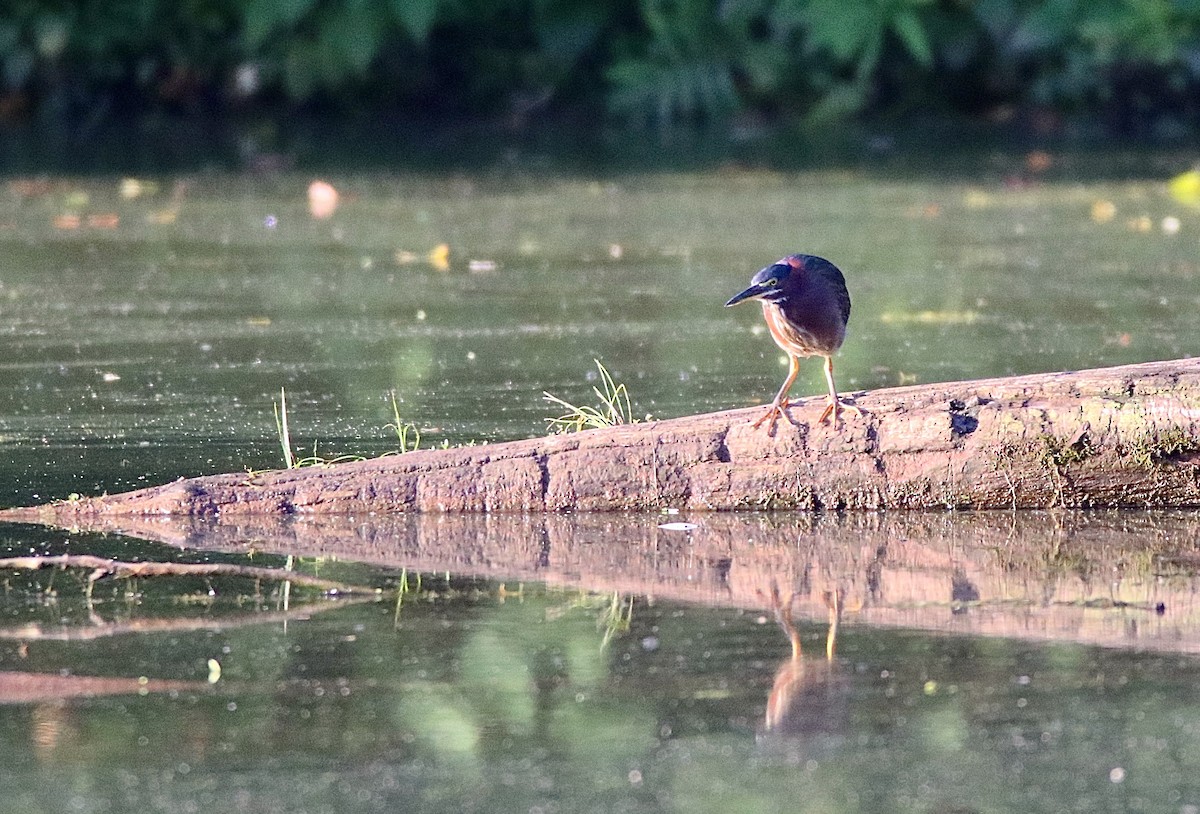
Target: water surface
<point>147,337</point>
<point>681,693</point>
<point>985,662</point>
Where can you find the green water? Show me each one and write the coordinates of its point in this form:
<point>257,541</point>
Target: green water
<point>463,695</point>
<point>147,337</point>
<point>149,350</point>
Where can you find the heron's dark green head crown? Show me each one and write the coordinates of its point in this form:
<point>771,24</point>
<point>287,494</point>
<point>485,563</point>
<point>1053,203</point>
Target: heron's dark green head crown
<point>773,283</point>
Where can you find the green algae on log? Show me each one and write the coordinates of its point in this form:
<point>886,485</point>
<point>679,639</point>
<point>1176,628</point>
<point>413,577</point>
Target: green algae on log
<point>1114,437</point>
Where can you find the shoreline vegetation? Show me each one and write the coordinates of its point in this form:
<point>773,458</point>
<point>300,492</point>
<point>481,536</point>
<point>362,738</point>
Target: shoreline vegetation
<point>1129,68</point>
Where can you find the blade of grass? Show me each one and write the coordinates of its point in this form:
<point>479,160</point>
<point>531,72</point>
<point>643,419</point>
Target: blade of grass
<point>614,407</point>
<point>281,425</point>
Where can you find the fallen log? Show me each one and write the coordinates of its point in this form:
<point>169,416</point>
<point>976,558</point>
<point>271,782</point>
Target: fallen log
<point>1114,437</point>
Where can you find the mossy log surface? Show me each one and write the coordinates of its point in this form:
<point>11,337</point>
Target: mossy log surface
<point>1115,437</point>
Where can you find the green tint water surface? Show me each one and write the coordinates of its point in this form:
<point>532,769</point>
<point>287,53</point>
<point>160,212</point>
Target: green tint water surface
<point>463,695</point>
<point>145,338</point>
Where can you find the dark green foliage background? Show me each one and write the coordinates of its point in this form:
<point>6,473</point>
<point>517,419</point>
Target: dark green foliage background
<point>660,63</point>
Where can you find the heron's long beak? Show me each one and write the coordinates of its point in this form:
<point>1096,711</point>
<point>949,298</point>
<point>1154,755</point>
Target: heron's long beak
<point>751,293</point>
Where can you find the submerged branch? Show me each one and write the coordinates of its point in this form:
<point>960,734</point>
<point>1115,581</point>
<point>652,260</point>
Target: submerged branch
<point>103,567</point>
<point>99,629</point>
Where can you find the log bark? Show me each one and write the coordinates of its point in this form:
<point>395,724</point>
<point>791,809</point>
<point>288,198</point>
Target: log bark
<point>1115,437</point>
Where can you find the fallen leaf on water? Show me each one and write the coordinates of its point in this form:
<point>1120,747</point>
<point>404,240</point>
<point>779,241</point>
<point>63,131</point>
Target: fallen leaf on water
<point>1103,211</point>
<point>1185,188</point>
<point>322,200</point>
<point>978,199</point>
<point>131,188</point>
<point>104,220</point>
<point>1141,224</point>
<point>439,257</point>
<point>163,217</point>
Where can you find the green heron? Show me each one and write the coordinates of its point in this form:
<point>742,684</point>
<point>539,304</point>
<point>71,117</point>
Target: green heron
<point>806,305</point>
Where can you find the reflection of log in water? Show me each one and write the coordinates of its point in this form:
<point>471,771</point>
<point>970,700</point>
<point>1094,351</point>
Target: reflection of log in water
<point>809,697</point>
<point>1081,576</point>
<point>30,688</point>
<point>101,567</point>
<point>101,629</point>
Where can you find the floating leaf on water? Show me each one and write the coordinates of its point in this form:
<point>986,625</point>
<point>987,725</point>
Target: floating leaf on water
<point>978,199</point>
<point>322,200</point>
<point>1103,211</point>
<point>1141,224</point>
<point>131,188</point>
<point>104,220</point>
<point>1185,188</point>
<point>439,257</point>
<point>677,526</point>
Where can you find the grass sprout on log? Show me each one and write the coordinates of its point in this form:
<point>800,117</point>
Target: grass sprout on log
<point>613,408</point>
<point>290,461</point>
<point>408,437</point>
<point>406,432</point>
<point>281,425</point>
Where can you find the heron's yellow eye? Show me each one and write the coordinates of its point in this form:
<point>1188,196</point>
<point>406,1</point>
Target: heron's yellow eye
<point>772,281</point>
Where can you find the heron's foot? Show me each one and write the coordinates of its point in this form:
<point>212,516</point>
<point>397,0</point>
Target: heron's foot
<point>774,411</point>
<point>835,407</point>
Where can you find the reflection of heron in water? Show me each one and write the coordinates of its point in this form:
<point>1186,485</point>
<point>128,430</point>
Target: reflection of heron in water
<point>808,698</point>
